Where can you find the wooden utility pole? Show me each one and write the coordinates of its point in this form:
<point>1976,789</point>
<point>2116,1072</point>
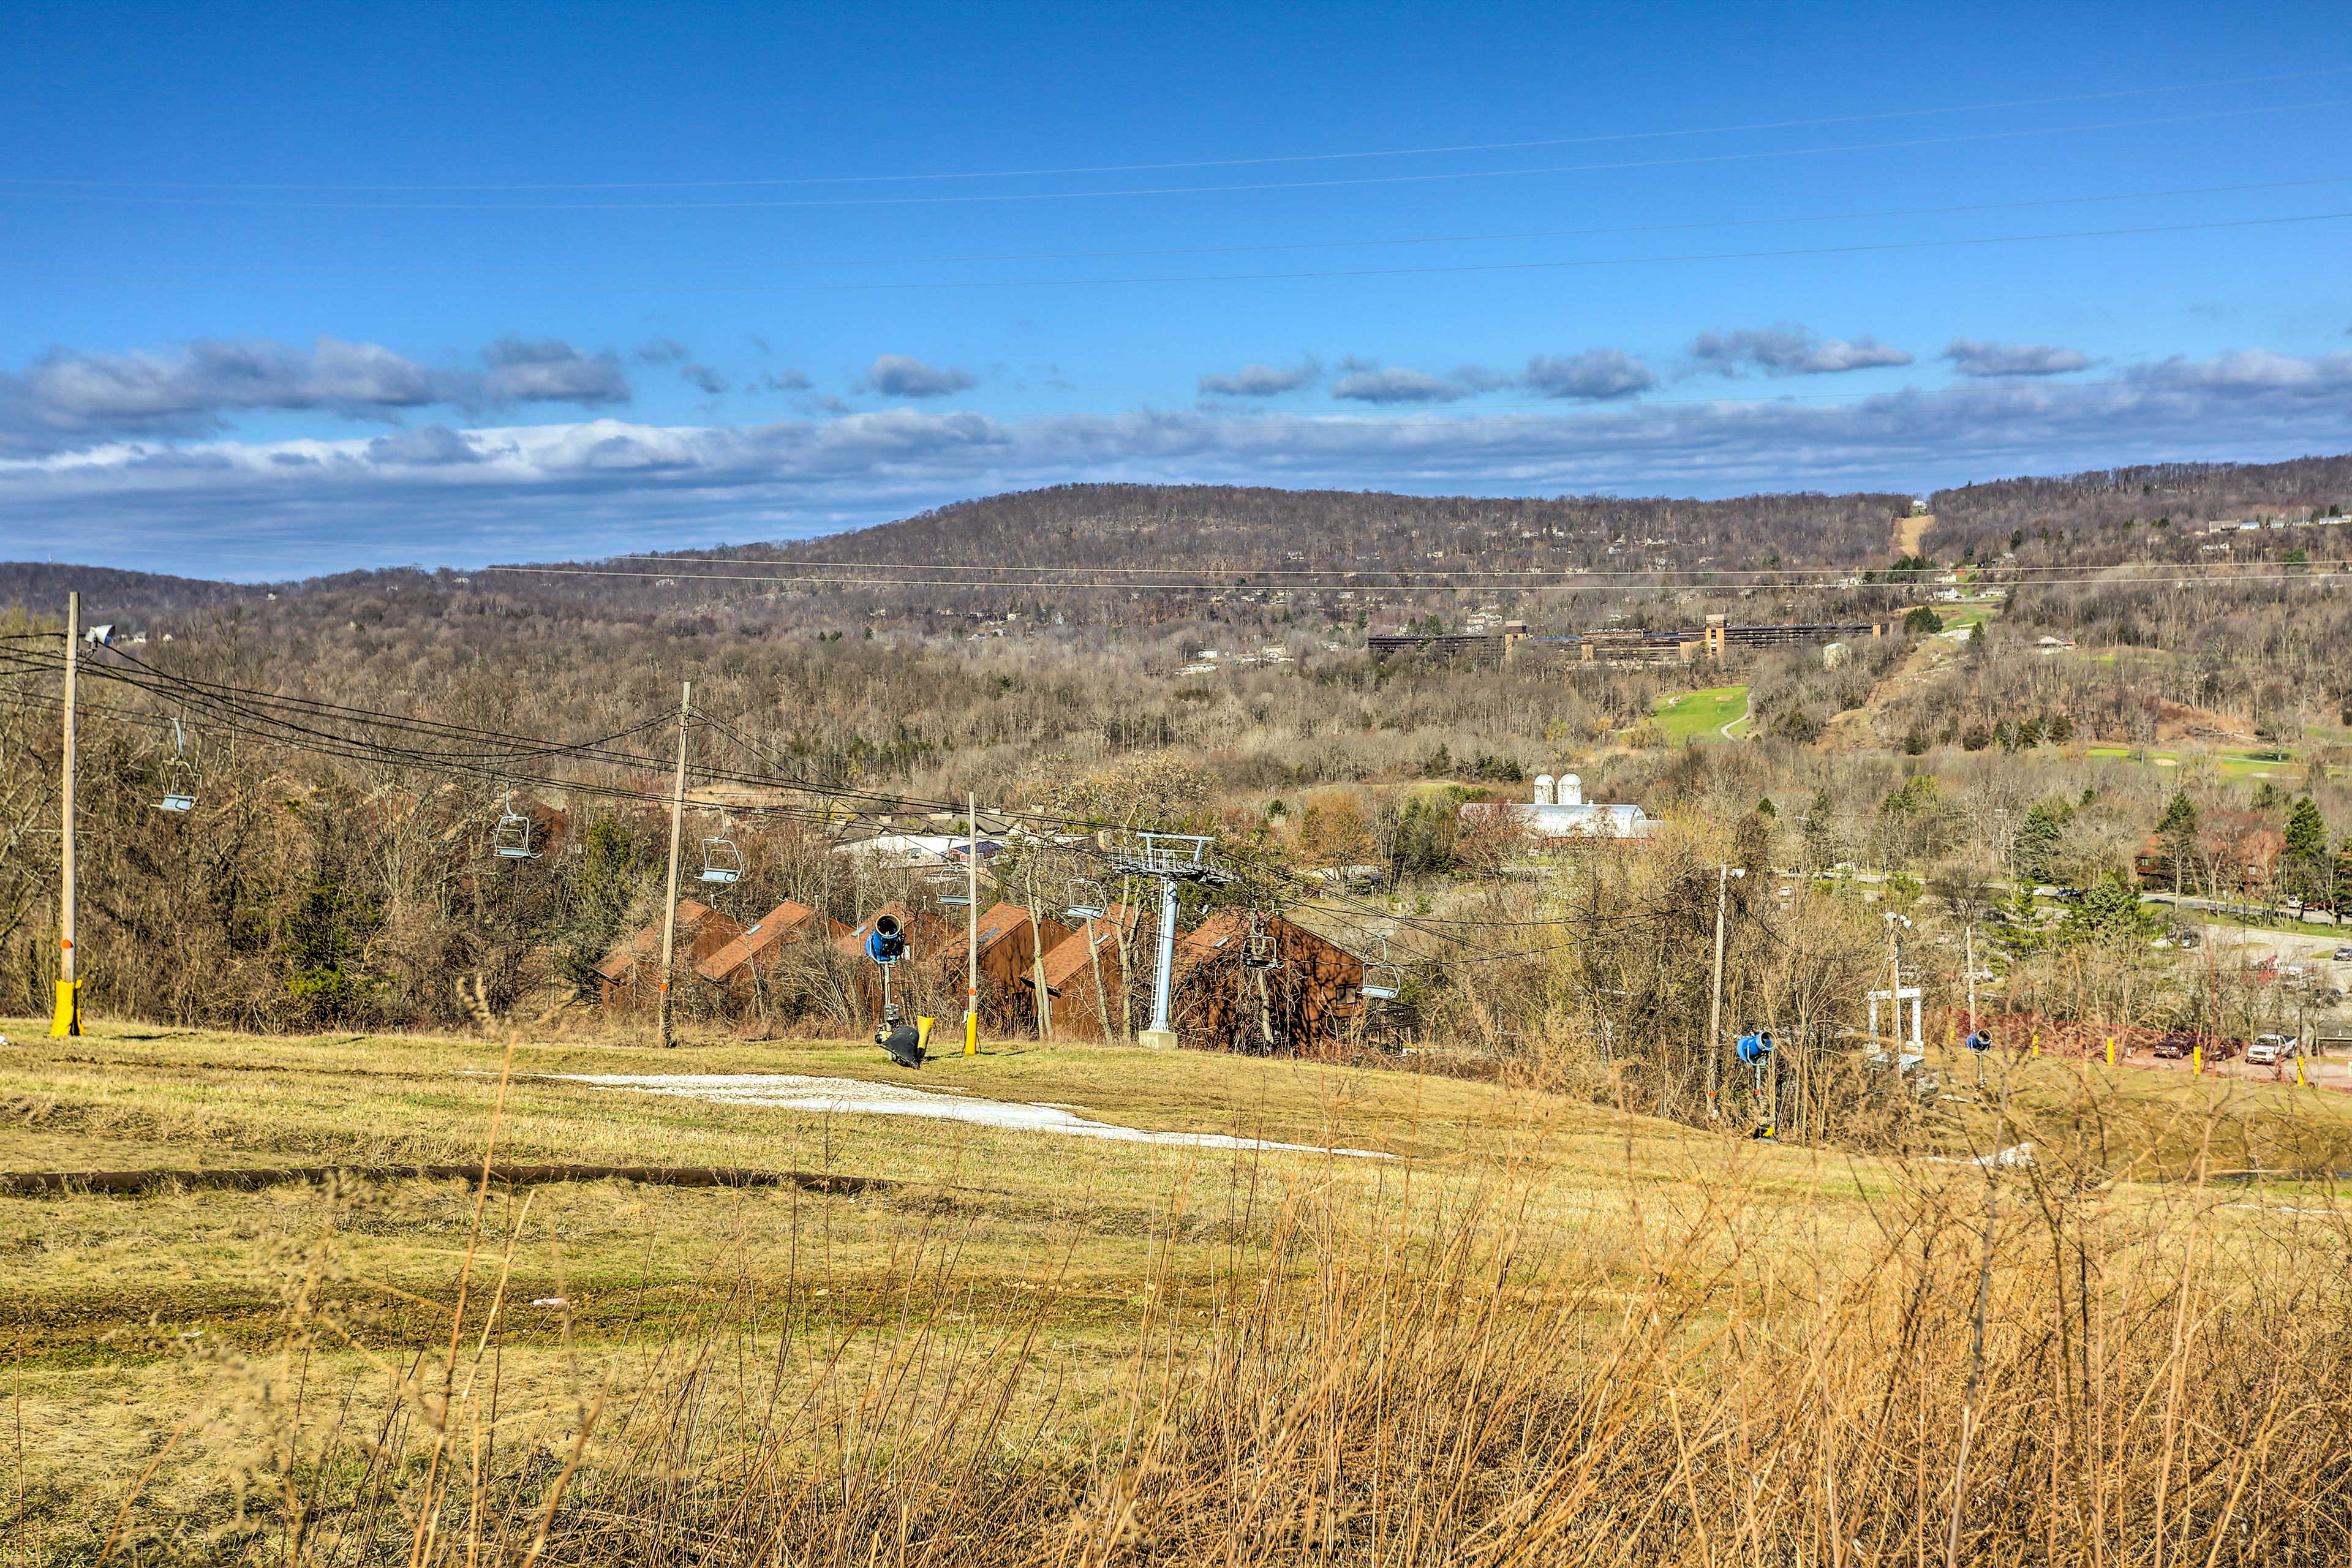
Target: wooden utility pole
<point>1971,961</point>
<point>1043,997</point>
<point>972,926</point>
<point>669,887</point>
<point>1125,930</point>
<point>1094,958</point>
<point>1714,1004</point>
<point>68,1019</point>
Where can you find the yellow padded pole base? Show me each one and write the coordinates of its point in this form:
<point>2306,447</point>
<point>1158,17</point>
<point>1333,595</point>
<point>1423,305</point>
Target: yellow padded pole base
<point>972,1034</point>
<point>68,1020</point>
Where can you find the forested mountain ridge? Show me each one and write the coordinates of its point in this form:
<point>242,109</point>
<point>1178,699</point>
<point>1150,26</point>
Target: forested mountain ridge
<point>1242,529</point>
<point>2185,493</point>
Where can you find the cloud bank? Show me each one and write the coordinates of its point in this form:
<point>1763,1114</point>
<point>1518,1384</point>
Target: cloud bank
<point>69,397</point>
<point>285,508</point>
<point>1596,375</point>
<point>1981,357</point>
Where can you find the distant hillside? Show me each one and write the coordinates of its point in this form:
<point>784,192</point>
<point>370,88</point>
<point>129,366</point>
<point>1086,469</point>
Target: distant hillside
<point>1223,525</point>
<point>1235,535</point>
<point>1981,514</point>
<point>41,587</point>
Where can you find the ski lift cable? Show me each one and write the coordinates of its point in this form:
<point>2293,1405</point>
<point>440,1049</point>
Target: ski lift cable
<point>319,708</point>
<point>357,748</point>
<point>263,720</point>
<point>360,749</point>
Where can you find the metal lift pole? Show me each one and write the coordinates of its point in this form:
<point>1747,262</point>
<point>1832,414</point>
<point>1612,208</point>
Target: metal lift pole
<point>670,903</point>
<point>1159,1037</point>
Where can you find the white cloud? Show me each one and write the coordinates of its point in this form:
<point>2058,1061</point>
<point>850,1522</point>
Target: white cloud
<point>425,445</point>
<point>69,397</point>
<point>1982,357</point>
<point>551,371</point>
<point>1787,349</point>
<point>189,390</point>
<point>1370,384</point>
<point>2243,373</point>
<point>1263,380</point>
<point>898,375</point>
<point>1596,375</point>
<point>287,507</point>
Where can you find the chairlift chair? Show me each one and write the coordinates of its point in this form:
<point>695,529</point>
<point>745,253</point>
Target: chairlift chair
<point>1382,980</point>
<point>1088,901</point>
<point>180,779</point>
<point>722,862</point>
<point>513,835</point>
<point>1259,950</point>
<point>952,891</point>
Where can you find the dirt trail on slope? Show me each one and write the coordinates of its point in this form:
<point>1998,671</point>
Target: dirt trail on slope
<point>1910,533</point>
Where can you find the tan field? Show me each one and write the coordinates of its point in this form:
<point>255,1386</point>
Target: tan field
<point>1540,1332</point>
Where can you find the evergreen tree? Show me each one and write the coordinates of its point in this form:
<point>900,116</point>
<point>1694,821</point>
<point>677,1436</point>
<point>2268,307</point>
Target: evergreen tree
<point>2308,866</point>
<point>2108,912</point>
<point>2035,846</point>
<point>2178,828</point>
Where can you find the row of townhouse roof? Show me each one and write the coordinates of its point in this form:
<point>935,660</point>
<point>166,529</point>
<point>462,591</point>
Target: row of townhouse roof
<point>1075,990</point>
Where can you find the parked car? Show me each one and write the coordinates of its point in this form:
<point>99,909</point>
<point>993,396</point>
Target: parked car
<point>2270,1051</point>
<point>2175,1046</point>
<point>2344,955</point>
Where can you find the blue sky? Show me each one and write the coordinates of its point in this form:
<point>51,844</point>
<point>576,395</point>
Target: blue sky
<point>291,289</point>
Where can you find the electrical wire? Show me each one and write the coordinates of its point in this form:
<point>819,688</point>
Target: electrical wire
<point>1808,123</point>
<point>114,197</point>
<point>1779,573</point>
<point>2315,573</point>
<point>1253,876</point>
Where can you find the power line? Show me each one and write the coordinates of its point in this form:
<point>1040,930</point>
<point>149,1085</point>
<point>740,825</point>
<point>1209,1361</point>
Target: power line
<point>1808,123</point>
<point>2315,573</point>
<point>1255,571</point>
<point>54,193</point>
<point>1255,877</point>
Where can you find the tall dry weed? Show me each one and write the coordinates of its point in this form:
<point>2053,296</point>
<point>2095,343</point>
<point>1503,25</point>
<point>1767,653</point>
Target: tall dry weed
<point>1946,1361</point>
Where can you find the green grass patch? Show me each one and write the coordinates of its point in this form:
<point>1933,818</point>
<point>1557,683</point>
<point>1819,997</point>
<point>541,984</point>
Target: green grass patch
<point>2235,763</point>
<point>1701,713</point>
<point>1957,615</point>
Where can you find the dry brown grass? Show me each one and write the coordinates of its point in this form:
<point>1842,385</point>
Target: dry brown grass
<point>1558,1337</point>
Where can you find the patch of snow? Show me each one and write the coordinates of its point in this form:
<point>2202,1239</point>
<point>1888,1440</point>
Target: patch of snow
<point>849,1097</point>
